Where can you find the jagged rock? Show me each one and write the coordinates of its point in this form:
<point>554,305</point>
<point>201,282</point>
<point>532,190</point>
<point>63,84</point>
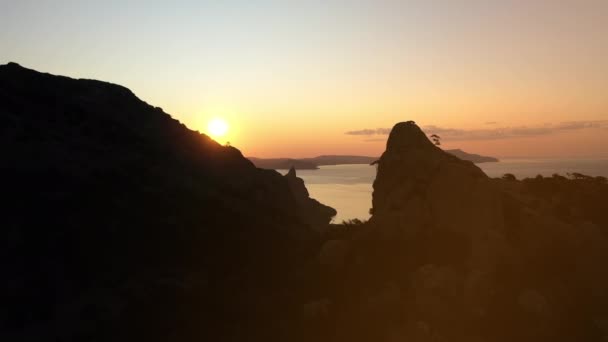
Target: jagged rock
<point>419,186</point>
<point>475,245</point>
<point>309,209</point>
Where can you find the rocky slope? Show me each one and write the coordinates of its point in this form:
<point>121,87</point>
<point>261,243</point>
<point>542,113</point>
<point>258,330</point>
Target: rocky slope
<point>120,223</point>
<point>451,255</point>
<point>309,209</point>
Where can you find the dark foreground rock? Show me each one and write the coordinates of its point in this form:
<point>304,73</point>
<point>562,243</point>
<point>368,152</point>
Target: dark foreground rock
<point>119,223</point>
<point>309,209</point>
<point>452,255</point>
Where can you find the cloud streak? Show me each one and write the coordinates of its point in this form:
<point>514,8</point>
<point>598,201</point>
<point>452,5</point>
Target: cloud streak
<point>368,132</point>
<point>492,133</point>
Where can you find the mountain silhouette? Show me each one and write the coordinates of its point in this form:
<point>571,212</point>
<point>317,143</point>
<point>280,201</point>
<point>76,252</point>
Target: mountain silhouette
<point>122,224</point>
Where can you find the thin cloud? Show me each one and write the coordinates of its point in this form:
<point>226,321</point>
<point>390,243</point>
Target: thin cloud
<point>582,124</point>
<point>367,131</point>
<point>493,133</point>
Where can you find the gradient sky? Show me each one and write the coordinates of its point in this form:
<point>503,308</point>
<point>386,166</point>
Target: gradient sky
<point>505,78</point>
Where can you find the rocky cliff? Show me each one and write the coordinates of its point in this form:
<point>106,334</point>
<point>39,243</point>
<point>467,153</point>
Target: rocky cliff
<point>120,223</point>
<point>452,255</point>
<point>309,209</point>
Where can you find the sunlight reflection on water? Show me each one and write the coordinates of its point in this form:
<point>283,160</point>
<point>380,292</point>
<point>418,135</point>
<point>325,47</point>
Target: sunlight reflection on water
<point>348,188</point>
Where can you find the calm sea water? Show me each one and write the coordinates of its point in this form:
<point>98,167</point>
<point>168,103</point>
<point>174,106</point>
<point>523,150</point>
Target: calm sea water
<point>348,188</point>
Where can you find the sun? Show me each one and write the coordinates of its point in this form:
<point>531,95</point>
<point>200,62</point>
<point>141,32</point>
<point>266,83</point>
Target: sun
<point>217,128</point>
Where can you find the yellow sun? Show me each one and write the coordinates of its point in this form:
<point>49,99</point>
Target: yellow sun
<point>217,128</point>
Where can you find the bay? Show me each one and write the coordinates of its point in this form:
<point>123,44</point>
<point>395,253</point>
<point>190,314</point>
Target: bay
<point>348,188</point>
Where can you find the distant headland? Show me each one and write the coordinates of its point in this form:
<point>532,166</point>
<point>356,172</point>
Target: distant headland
<point>314,162</point>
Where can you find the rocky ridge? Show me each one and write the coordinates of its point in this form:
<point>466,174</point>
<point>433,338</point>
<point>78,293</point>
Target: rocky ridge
<point>452,255</point>
<point>309,209</point>
<point>122,224</point>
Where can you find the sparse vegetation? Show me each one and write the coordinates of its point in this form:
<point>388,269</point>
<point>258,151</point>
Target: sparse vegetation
<point>509,177</point>
<point>436,139</point>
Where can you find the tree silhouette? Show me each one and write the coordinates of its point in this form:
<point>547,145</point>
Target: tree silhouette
<point>509,177</point>
<point>436,139</point>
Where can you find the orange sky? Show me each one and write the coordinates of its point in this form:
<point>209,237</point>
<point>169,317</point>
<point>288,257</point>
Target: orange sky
<point>510,77</point>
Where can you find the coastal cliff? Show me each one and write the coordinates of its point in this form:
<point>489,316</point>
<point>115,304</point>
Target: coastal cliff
<point>452,255</point>
<point>309,209</point>
<point>122,224</point>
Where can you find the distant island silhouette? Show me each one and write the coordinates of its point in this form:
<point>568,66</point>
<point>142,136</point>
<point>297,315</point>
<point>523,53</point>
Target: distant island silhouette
<point>314,162</point>
<point>121,224</point>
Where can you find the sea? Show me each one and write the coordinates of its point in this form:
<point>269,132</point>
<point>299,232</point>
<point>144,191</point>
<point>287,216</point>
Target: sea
<point>348,188</point>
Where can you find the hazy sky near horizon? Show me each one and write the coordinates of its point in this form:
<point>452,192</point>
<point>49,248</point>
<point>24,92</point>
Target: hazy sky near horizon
<point>302,78</point>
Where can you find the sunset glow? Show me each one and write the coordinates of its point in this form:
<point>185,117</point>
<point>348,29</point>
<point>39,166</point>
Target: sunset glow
<point>217,128</point>
<point>296,77</point>
<point>327,171</point>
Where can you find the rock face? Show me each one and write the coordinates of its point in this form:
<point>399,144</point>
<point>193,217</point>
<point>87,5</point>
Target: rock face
<point>471,258</point>
<point>309,209</point>
<point>120,223</point>
<point>481,245</point>
<point>420,188</point>
<point>413,169</point>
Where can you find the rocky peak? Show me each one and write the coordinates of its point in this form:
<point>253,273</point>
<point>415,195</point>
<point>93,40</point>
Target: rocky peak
<point>291,173</point>
<point>462,247</point>
<point>13,65</point>
<point>407,135</point>
<point>296,184</point>
<point>413,169</point>
<point>310,210</point>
